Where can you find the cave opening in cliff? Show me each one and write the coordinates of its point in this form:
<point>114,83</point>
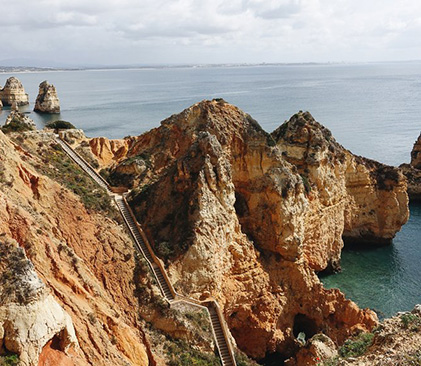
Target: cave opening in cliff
<point>240,205</point>
<point>303,323</point>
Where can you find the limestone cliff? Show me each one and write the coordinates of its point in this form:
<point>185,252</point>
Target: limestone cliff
<point>86,259</point>
<point>351,197</point>
<point>416,154</point>
<point>73,235</point>
<point>29,315</point>
<point>248,217</point>
<point>13,91</point>
<point>413,171</point>
<point>47,100</point>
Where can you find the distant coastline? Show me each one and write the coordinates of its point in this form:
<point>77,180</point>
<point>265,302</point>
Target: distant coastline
<point>32,69</point>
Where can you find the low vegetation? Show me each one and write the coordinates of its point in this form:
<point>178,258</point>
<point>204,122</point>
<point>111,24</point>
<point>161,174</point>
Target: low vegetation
<point>352,348</point>
<point>61,168</point>
<point>242,359</point>
<point>411,321</point>
<point>180,353</point>
<point>60,125</point>
<point>15,126</point>
<point>357,345</point>
<point>9,359</point>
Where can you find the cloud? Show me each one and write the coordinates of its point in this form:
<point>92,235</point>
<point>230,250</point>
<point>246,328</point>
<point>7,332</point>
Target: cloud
<point>127,31</point>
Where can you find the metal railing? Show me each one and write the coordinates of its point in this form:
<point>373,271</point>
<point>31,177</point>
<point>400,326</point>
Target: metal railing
<point>219,327</point>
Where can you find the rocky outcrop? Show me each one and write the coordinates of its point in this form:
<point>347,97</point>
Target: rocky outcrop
<point>247,218</point>
<point>13,91</point>
<point>1,105</point>
<point>18,120</point>
<point>416,154</point>
<point>412,172</point>
<point>396,341</point>
<point>351,197</point>
<point>83,256</point>
<point>72,233</point>
<point>47,100</point>
<point>29,315</point>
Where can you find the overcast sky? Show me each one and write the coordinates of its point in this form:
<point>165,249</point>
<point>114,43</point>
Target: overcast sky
<point>210,31</point>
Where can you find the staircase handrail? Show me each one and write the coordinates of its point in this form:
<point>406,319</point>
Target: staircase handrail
<point>85,162</point>
<point>177,297</point>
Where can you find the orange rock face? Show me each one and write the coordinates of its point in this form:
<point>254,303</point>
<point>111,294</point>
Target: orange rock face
<point>248,217</point>
<point>84,258</point>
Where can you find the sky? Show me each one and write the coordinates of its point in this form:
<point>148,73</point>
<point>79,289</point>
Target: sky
<point>123,32</point>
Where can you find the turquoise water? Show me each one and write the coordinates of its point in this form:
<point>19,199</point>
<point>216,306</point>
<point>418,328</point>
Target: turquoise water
<point>385,279</point>
<point>373,109</point>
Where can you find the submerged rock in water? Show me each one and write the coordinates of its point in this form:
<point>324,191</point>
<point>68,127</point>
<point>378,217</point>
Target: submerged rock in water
<point>13,91</point>
<point>47,99</point>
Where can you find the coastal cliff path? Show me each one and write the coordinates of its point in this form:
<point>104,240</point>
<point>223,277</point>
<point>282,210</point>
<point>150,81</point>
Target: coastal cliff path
<point>220,330</point>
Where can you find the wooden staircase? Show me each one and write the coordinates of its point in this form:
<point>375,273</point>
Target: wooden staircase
<point>144,249</point>
<point>219,328</point>
<point>84,165</point>
<point>222,342</point>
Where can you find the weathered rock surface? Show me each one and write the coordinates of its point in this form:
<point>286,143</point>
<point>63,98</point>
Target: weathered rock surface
<point>13,91</point>
<point>29,315</point>
<point>47,100</point>
<point>351,197</point>
<point>416,154</point>
<point>248,217</point>
<point>316,350</point>
<point>15,117</point>
<point>397,341</point>
<point>85,258</point>
<point>412,172</point>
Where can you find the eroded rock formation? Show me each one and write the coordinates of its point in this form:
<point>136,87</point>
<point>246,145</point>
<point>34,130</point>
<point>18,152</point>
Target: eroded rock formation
<point>47,100</point>
<point>16,118</point>
<point>73,235</point>
<point>413,172</point>
<point>416,154</point>
<point>13,91</point>
<point>247,217</point>
<point>29,315</point>
<point>85,258</point>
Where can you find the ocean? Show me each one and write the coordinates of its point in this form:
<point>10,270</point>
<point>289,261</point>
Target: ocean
<point>374,110</point>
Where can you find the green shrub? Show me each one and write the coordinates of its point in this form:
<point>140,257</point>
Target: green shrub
<point>59,167</point>
<point>60,125</point>
<point>356,346</point>
<point>181,354</point>
<point>410,321</point>
<point>243,360</point>
<point>10,359</point>
<point>15,126</point>
<point>412,359</point>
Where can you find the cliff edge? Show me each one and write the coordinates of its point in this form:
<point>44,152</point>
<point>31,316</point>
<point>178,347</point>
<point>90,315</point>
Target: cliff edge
<point>413,172</point>
<point>249,217</point>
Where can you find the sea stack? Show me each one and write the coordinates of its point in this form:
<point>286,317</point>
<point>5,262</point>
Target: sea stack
<point>13,91</point>
<point>416,154</point>
<point>47,100</point>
